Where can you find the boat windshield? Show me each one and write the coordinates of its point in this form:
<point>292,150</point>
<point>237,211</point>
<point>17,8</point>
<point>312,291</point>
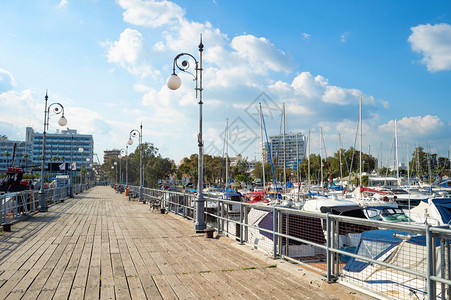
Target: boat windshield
<point>399,192</point>
<point>388,214</point>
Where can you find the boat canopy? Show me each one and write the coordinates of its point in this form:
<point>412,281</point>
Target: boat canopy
<point>375,243</point>
<point>348,210</point>
<point>444,208</point>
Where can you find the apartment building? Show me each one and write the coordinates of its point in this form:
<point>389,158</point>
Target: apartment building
<point>295,146</point>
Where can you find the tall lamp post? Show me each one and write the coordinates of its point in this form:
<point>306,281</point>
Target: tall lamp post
<point>125,153</point>
<point>115,166</point>
<point>73,165</point>
<point>88,164</point>
<point>81,150</point>
<point>120,168</point>
<point>174,83</point>
<point>57,108</point>
<point>112,168</point>
<point>138,133</point>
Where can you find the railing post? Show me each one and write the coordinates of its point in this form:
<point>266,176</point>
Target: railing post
<point>328,252</point>
<point>430,263</point>
<point>444,262</point>
<point>246,227</point>
<point>218,214</point>
<point>16,206</point>
<point>2,209</point>
<point>221,208</point>
<point>184,203</point>
<point>241,223</point>
<point>33,201</point>
<point>274,230</point>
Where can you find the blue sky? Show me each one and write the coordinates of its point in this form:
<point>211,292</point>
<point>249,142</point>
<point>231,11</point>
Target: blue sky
<point>107,63</point>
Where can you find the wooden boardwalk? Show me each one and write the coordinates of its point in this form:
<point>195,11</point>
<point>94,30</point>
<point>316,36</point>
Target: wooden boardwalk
<point>99,245</point>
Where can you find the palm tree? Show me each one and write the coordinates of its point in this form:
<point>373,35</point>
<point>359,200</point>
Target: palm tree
<point>7,154</point>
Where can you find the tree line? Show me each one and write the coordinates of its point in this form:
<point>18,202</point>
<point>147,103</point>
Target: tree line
<point>343,163</point>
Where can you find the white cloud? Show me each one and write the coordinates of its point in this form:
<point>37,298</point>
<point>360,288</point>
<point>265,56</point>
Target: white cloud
<point>159,46</point>
<point>342,96</point>
<point>308,86</point>
<point>344,37</point>
<point>26,103</point>
<point>7,81</point>
<point>129,52</point>
<point>63,3</point>
<point>247,63</point>
<point>151,13</point>
<point>415,126</point>
<point>185,36</point>
<point>261,53</point>
<point>306,35</point>
<point>434,43</point>
<point>128,49</point>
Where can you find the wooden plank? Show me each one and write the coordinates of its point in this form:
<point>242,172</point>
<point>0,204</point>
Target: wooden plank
<point>94,275</point>
<point>136,250</point>
<point>67,279</point>
<point>120,280</point>
<point>107,280</point>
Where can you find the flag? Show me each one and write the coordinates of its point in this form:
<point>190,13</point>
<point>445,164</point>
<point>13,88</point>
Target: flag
<point>73,166</point>
<point>62,166</point>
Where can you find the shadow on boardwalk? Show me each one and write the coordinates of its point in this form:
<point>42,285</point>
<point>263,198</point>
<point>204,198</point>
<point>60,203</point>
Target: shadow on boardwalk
<point>99,245</point>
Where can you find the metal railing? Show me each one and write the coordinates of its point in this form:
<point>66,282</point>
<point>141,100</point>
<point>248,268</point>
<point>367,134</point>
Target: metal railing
<point>17,204</point>
<point>390,260</point>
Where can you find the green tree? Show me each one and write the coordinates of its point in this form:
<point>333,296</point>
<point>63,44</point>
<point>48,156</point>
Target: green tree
<point>7,154</point>
<point>158,168</point>
<point>258,171</point>
<point>189,166</point>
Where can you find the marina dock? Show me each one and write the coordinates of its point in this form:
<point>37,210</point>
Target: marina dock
<point>100,245</point>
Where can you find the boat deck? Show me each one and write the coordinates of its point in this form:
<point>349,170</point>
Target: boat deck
<point>99,245</point>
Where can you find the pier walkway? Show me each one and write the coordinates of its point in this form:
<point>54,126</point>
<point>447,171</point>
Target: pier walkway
<point>99,245</point>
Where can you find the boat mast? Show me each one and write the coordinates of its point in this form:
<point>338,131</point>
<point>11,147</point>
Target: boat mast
<point>261,145</point>
<point>308,166</point>
<point>418,161</point>
<point>297,164</point>
<point>340,153</point>
<point>227,152</point>
<point>360,126</point>
<point>429,164</point>
<point>320,159</point>
<point>396,152</point>
<point>284,153</point>
<point>408,166</point>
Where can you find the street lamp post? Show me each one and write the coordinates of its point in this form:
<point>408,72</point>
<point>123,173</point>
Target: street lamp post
<point>115,166</point>
<point>72,164</point>
<point>81,150</point>
<point>88,161</point>
<point>57,108</point>
<point>174,83</point>
<point>112,168</point>
<point>120,168</point>
<point>138,133</point>
<point>125,153</point>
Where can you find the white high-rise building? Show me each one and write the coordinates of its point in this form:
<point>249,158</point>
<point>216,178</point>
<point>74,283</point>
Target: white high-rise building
<point>62,147</point>
<point>294,146</point>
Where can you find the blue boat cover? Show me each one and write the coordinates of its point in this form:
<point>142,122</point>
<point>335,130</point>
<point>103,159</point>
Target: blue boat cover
<point>316,194</point>
<point>444,208</point>
<point>232,195</point>
<point>375,243</point>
